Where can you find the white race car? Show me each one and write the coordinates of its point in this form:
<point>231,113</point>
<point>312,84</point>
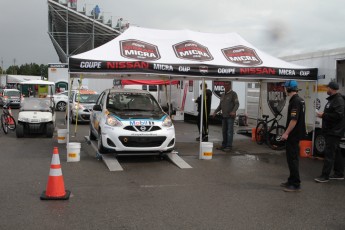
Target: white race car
<point>131,122</point>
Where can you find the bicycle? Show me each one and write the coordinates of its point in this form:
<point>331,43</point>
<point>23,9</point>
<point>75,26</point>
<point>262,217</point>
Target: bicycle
<point>271,135</point>
<point>7,120</point>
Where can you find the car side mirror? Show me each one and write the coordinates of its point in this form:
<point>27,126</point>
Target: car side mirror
<point>97,108</point>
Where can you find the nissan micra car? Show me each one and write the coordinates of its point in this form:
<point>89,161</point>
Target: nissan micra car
<point>81,103</point>
<point>131,122</point>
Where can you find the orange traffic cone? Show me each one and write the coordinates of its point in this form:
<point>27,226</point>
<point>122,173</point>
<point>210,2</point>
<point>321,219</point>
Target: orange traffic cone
<point>55,187</point>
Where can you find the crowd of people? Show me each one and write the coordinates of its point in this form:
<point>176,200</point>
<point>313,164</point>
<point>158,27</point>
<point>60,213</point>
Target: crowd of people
<point>333,128</point>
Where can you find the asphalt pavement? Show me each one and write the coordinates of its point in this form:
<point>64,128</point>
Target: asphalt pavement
<point>234,190</point>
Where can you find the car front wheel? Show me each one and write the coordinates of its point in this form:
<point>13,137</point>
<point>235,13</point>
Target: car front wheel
<point>91,135</point>
<point>100,146</point>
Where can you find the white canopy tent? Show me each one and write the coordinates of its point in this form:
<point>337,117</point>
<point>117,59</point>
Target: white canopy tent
<point>146,53</point>
<point>141,53</point>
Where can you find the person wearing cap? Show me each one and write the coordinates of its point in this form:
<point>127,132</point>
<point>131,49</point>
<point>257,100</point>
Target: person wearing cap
<point>332,127</point>
<point>228,104</point>
<point>295,131</point>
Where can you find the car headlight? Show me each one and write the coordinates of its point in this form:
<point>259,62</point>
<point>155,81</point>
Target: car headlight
<point>167,122</point>
<point>112,121</point>
<point>76,107</point>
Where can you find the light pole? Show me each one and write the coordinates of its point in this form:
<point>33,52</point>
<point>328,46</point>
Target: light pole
<point>14,65</point>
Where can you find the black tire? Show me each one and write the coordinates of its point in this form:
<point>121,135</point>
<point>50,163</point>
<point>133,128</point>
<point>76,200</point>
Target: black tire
<point>4,123</point>
<point>260,133</point>
<point>91,135</point>
<point>20,130</point>
<point>61,106</point>
<point>319,144</point>
<point>275,134</point>
<point>100,146</point>
<point>49,130</point>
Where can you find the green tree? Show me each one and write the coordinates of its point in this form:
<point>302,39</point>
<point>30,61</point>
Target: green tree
<point>12,70</point>
<point>32,69</point>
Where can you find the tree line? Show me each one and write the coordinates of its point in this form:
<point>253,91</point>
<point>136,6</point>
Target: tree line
<point>32,69</point>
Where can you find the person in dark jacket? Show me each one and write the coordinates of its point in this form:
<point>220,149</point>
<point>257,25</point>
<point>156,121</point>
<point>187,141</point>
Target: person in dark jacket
<point>295,131</point>
<point>332,119</point>
<point>228,104</point>
<point>206,113</point>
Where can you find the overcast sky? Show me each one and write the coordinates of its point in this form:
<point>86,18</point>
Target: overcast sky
<point>277,27</point>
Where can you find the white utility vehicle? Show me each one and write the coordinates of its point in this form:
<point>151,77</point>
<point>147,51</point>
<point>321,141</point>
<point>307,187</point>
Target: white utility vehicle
<point>36,114</point>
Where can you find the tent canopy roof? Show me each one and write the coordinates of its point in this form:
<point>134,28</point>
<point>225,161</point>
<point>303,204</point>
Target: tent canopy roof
<point>141,53</point>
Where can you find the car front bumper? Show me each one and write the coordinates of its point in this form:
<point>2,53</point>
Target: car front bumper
<point>83,115</point>
<point>121,140</point>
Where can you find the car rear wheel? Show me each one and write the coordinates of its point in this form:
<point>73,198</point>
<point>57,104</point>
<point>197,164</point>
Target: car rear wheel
<point>61,106</point>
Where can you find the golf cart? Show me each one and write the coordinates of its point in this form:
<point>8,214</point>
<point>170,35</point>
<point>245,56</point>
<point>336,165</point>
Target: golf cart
<point>36,113</point>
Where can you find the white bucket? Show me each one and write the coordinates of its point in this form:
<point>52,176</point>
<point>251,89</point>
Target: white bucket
<point>62,136</point>
<point>206,150</point>
<point>73,152</point>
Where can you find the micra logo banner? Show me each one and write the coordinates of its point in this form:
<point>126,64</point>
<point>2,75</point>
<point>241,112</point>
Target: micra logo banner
<point>276,97</point>
<point>242,55</point>
<point>139,50</point>
<point>191,50</point>
<point>218,88</point>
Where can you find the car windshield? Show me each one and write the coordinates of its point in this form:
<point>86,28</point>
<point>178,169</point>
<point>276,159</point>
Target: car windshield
<point>35,104</point>
<point>131,101</point>
<point>86,98</point>
<point>12,93</point>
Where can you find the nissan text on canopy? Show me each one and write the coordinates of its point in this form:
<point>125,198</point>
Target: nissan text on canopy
<point>141,53</point>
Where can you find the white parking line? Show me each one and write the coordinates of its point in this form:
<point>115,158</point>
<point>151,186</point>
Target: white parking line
<point>178,161</point>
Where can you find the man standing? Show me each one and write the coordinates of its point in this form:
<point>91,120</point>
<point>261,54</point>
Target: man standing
<point>228,105</point>
<point>295,131</point>
<point>206,112</point>
<point>332,128</point>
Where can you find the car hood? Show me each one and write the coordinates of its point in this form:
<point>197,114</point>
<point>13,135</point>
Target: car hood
<point>155,115</point>
<point>87,105</point>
